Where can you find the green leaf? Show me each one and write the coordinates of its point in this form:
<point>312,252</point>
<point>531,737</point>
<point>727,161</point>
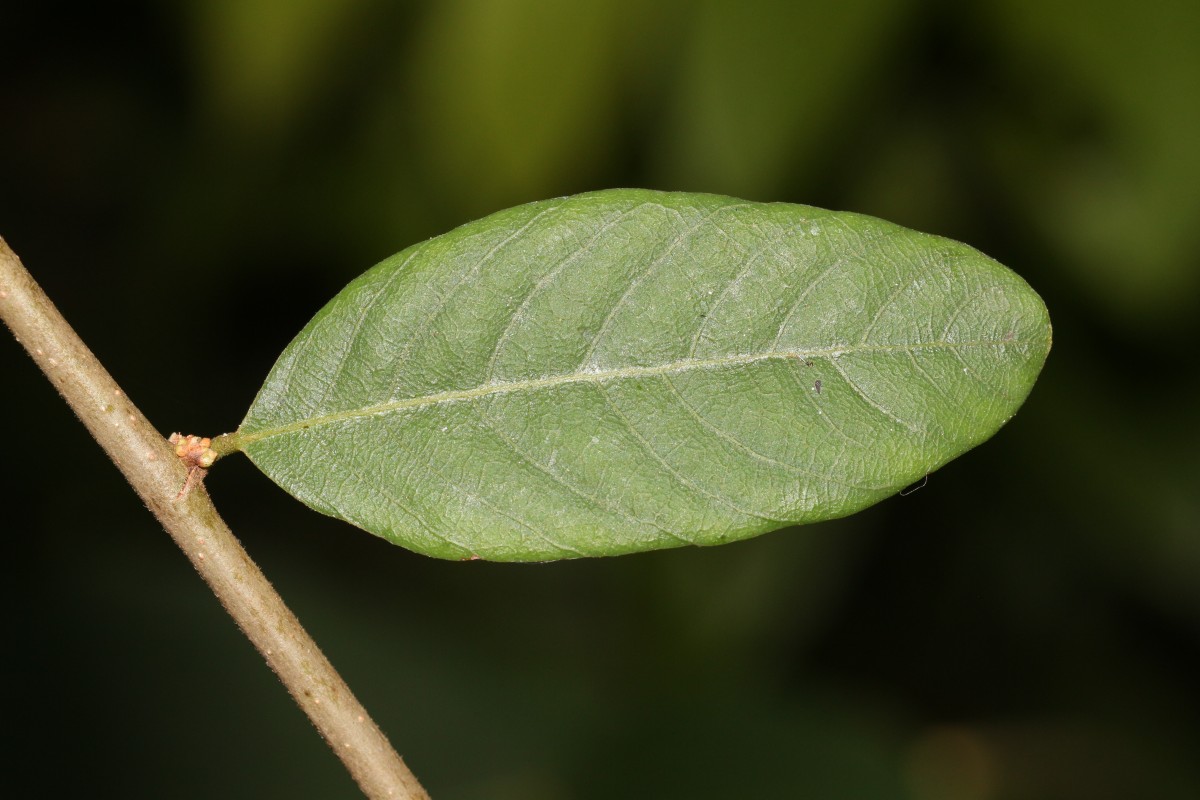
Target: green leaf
<point>630,370</point>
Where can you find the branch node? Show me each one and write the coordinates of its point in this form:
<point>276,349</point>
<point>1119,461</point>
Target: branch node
<point>197,455</point>
<point>194,451</point>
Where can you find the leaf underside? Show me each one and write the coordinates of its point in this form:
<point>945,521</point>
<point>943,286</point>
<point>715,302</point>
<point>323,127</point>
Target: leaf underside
<point>629,370</point>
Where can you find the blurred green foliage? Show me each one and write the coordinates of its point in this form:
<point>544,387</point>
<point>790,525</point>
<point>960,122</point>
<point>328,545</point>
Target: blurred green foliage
<point>1025,626</point>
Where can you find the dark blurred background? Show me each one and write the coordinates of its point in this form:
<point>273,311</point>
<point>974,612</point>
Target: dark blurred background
<point>192,181</point>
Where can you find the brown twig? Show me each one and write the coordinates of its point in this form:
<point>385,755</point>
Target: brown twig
<point>150,465</point>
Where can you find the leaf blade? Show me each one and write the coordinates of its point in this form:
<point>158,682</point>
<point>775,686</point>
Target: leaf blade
<point>627,370</point>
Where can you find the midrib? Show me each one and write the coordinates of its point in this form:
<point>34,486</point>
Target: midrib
<point>599,376</point>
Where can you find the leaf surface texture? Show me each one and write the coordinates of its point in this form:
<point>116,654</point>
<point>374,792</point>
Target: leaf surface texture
<point>629,370</point>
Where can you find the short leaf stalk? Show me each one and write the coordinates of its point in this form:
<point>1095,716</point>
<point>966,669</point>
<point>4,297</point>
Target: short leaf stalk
<point>157,471</point>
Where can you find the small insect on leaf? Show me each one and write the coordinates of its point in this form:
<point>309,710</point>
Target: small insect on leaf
<point>629,370</point>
